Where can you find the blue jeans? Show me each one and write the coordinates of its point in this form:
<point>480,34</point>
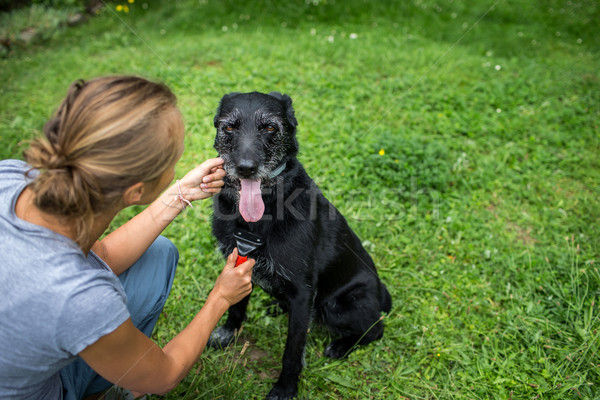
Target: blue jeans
<point>147,284</point>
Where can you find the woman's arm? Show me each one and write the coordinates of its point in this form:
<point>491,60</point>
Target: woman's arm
<point>131,360</point>
<point>121,248</point>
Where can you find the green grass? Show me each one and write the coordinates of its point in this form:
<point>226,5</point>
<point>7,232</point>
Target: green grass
<point>482,214</point>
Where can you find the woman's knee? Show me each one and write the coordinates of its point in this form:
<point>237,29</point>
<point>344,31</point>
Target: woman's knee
<point>162,248</point>
<point>148,282</point>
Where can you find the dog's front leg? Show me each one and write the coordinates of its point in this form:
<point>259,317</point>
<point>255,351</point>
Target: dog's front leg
<point>293,356</point>
<point>223,335</point>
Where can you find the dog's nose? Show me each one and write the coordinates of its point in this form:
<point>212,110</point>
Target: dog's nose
<point>246,168</point>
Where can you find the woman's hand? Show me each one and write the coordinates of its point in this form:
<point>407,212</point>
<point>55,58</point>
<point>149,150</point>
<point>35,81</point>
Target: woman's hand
<point>234,283</point>
<point>203,181</point>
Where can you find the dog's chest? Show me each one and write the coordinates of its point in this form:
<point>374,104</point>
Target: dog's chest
<point>271,275</point>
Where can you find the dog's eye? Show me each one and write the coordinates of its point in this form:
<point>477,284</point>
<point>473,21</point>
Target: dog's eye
<point>270,128</point>
<point>228,128</point>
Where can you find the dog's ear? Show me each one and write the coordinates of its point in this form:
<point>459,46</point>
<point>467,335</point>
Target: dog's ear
<point>289,110</point>
<point>223,99</point>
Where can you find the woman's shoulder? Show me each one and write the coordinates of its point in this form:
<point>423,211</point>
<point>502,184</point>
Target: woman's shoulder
<point>13,179</point>
<point>15,170</point>
<point>11,165</point>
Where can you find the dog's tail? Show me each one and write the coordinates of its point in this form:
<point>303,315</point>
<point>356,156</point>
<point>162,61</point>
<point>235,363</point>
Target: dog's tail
<point>385,300</point>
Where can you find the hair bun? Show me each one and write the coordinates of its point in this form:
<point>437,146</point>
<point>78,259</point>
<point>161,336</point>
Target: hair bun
<point>56,161</point>
<point>44,156</point>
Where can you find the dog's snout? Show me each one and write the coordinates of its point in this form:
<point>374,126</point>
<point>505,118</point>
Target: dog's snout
<point>247,168</point>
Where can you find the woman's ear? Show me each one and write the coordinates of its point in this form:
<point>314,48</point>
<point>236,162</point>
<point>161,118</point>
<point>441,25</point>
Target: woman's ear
<point>133,194</point>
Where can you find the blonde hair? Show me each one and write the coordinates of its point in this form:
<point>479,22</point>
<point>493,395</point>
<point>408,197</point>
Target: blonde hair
<point>108,134</point>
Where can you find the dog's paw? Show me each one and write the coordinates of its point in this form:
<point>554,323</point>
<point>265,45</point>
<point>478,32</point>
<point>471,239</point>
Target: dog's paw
<point>280,392</point>
<point>221,338</point>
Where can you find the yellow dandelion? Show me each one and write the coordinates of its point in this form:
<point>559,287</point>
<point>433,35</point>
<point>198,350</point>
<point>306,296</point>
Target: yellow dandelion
<point>381,152</point>
<point>119,8</point>
<point>126,9</point>
<point>130,1</point>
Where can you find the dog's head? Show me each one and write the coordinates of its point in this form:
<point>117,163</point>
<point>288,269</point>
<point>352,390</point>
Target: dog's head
<point>256,136</point>
<point>256,133</point>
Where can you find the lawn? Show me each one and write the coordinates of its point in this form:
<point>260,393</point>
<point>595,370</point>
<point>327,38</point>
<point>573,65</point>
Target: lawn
<point>460,139</point>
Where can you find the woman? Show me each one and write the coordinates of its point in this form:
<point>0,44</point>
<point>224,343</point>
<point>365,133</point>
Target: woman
<point>72,306</point>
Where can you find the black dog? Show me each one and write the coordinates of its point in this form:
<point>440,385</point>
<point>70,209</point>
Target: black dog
<point>312,262</point>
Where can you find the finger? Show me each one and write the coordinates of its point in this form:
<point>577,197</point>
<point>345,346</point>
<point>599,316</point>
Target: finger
<point>247,266</point>
<point>215,169</point>
<point>210,191</point>
<point>211,163</point>
<point>211,185</point>
<point>217,175</point>
<point>231,259</point>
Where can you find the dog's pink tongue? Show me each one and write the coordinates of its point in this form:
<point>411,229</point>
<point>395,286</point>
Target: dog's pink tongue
<point>252,207</point>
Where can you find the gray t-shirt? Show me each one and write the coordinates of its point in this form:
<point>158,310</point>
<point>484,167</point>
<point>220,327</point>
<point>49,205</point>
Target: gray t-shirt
<point>54,301</point>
